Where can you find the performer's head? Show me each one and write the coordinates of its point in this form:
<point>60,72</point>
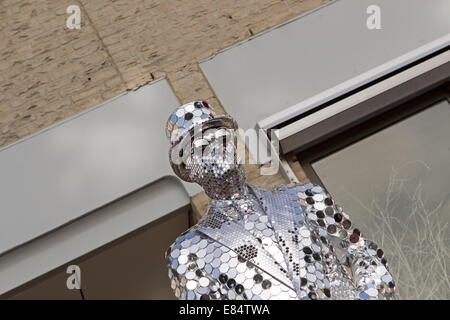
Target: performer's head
<point>203,150</point>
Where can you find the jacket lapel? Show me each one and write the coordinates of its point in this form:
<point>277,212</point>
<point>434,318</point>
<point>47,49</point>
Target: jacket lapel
<point>282,209</point>
<point>235,237</point>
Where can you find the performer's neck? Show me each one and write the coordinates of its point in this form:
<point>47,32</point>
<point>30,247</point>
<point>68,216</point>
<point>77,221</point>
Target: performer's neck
<point>234,193</point>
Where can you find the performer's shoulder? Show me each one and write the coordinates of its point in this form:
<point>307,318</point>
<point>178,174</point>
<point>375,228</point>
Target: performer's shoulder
<point>181,240</point>
<point>187,239</point>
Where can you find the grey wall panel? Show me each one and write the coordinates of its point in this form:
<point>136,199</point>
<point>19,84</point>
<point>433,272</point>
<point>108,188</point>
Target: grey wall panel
<point>90,232</point>
<point>135,268</point>
<point>318,51</point>
<point>60,174</point>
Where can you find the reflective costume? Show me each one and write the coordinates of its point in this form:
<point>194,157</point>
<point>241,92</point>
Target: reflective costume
<point>293,242</point>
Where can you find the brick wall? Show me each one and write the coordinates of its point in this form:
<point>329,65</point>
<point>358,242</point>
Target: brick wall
<point>49,73</point>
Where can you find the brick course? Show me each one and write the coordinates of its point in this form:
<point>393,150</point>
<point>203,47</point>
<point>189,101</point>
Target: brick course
<point>48,72</point>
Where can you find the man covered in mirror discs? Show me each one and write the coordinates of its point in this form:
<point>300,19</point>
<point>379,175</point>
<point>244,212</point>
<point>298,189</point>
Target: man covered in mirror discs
<point>293,242</point>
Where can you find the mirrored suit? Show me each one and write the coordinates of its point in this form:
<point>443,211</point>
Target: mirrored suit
<point>293,242</point>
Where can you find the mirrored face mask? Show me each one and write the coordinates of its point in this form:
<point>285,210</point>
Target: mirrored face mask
<point>214,164</point>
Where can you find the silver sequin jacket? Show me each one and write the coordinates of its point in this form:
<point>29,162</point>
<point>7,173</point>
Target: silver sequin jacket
<point>290,243</point>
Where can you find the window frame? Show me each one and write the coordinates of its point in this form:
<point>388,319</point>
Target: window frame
<point>395,103</point>
<point>369,127</point>
<point>348,109</point>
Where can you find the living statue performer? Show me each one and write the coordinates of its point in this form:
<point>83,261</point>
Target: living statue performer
<point>292,242</point>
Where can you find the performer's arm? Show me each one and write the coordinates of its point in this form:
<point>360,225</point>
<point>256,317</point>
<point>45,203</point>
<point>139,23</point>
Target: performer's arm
<point>369,267</point>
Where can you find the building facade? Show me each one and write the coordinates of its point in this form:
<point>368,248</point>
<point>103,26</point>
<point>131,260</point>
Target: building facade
<point>83,109</point>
